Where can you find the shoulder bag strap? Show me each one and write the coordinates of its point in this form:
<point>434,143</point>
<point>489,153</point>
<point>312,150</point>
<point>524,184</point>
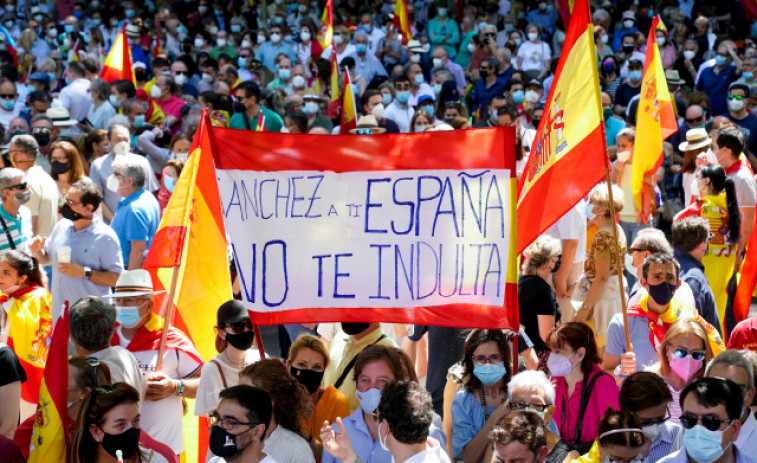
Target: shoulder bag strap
<point>7,232</point>
<point>585,395</point>
<point>220,371</point>
<point>350,365</point>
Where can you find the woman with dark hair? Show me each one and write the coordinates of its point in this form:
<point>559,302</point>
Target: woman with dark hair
<point>108,423</point>
<point>584,391</point>
<point>717,204</point>
<point>219,107</point>
<point>28,322</point>
<point>94,145</point>
<point>292,406</point>
<point>481,404</point>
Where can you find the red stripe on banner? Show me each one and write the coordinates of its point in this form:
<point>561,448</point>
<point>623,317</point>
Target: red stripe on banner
<point>555,184</point>
<point>475,316</point>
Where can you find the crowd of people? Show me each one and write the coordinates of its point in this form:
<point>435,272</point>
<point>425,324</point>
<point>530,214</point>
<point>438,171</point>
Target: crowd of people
<point>88,166</point>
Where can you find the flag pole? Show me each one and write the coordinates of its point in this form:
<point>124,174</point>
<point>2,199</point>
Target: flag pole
<point>259,341</point>
<point>167,319</point>
<point>618,257</point>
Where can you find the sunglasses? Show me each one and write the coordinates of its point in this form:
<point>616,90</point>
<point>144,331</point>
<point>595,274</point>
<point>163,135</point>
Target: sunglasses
<point>7,96</point>
<point>682,353</point>
<point>736,97</point>
<point>483,359</point>
<point>241,326</point>
<point>21,186</point>
<point>711,422</point>
<point>694,119</point>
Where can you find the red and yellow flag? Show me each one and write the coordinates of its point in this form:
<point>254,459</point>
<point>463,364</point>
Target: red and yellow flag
<point>335,94</point>
<point>73,54</point>
<point>157,49</point>
<point>402,21</point>
<point>349,108</point>
<point>49,438</point>
<point>569,153</point>
<point>326,31</point>
<point>118,64</point>
<point>655,121</point>
<point>191,240</point>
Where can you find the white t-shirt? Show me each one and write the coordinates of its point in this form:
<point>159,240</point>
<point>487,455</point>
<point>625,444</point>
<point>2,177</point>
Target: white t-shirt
<point>746,189</point>
<point>534,55</point>
<point>211,384</point>
<point>162,419</point>
<point>288,447</point>
<point>44,200</point>
<point>572,226</point>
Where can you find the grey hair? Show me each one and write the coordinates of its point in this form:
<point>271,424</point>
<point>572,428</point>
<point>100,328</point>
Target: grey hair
<point>600,15</point>
<point>26,143</point>
<point>652,240</point>
<point>8,175</point>
<point>532,380</point>
<point>446,73</point>
<point>100,88</point>
<point>692,41</point>
<point>734,358</point>
<point>131,168</point>
<point>92,323</point>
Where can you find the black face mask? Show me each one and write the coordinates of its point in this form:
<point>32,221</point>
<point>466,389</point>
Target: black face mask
<point>309,378</point>
<point>69,213</point>
<point>58,167</point>
<point>241,341</point>
<point>535,122</point>
<point>483,74</point>
<point>627,49</point>
<point>352,328</point>
<point>127,442</point>
<point>222,443</point>
<point>43,138</point>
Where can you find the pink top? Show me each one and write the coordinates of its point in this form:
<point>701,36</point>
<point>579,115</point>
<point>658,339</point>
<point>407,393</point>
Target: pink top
<point>603,395</point>
<point>172,107</point>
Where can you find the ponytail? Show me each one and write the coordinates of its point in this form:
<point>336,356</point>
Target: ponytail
<point>734,215</point>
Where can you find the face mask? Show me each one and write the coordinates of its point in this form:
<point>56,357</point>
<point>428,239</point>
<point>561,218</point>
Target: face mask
<point>415,58</point>
<point>261,38</point>
<point>275,37</point>
<point>720,60</point>
<point>378,111</point>
<point>747,75</point>
<point>607,113</point>
<point>627,48</point>
<point>43,138</point>
<point>689,54</point>
<point>660,41</point>
<point>8,105</point>
<point>213,30</point>
<point>489,373</point>
<point>442,12</point>
<point>241,341</point>
<point>437,89</point>
<point>382,442</point>
<point>361,48</point>
<point>69,213</point>
<point>429,110</point>
<point>628,23</point>
<point>634,76</point>
<point>685,367</point>
<point>298,82</point>
<point>403,97</point>
<point>311,107</point>
<point>285,74</point>
<point>68,28</point>
<point>338,39</point>
<point>305,36</point>
<point>222,443</point>
<point>236,28</point>
<point>483,73</point>
<point>128,316</point>
<point>662,293</point>
<point>604,39</point>
<point>559,365</point>
<point>130,13</point>
<point>471,47</point>
<point>169,183</point>
<point>628,261</point>
<point>247,44</point>
<point>113,101</point>
<point>352,328</point>
<point>180,80</point>
<point>736,105</point>
<point>531,96</point>
<point>518,96</point>
<point>59,167</point>
<point>199,43</point>
<point>369,400</point>
<point>386,98</point>
<point>221,43</point>
<point>139,121</point>
<point>309,378</point>
<point>532,36</point>
<point>437,63</point>
<point>418,128</point>
<point>703,445</point>
<point>183,155</point>
<point>418,79</point>
<point>207,77</point>
<point>154,92</point>
<point>127,442</point>
<point>651,431</point>
<point>302,8</point>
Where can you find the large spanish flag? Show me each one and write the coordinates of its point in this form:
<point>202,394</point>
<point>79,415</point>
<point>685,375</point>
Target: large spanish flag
<point>191,244</point>
<point>655,121</point>
<point>349,108</point>
<point>569,153</point>
<point>402,21</point>
<point>49,438</point>
<point>118,64</point>
<point>326,31</point>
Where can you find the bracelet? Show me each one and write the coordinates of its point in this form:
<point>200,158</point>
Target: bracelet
<point>179,388</point>
<point>618,373</point>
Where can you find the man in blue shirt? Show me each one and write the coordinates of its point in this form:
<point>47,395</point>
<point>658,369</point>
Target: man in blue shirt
<point>270,49</point>
<point>366,64</point>
<point>690,241</point>
<point>715,80</point>
<point>138,214</point>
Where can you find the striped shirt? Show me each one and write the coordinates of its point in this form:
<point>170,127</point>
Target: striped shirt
<point>20,228</point>
<point>668,441</point>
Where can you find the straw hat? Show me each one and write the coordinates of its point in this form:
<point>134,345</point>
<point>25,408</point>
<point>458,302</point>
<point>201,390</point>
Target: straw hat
<point>695,139</point>
<point>672,76</point>
<point>367,122</point>
<point>60,116</point>
<point>134,283</point>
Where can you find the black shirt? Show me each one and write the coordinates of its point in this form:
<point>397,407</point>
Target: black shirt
<point>10,368</point>
<point>535,297</point>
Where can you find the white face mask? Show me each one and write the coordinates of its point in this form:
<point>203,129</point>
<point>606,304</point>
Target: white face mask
<point>180,79</point>
<point>689,54</point>
<point>532,96</point>
<point>261,38</point>
<point>246,44</point>
<point>221,43</point>
<point>415,58</point>
<point>207,77</point>
<point>275,37</point>
<point>736,105</point>
<point>199,43</point>
<point>155,92</point>
<point>378,111</point>
<point>338,39</point>
<point>437,63</point>
<point>305,36</point>
<point>121,148</point>
<point>629,264</point>
<point>532,36</point>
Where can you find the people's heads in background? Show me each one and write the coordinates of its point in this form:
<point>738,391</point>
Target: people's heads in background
<point>405,414</point>
<point>240,404</point>
<point>734,365</point>
<point>519,436</point>
<point>620,436</point>
<point>92,324</point>
<point>84,374</point>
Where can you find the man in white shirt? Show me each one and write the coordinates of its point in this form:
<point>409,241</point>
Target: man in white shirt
<point>43,204</point>
<point>570,229</point>
<point>399,110</point>
<point>75,96</point>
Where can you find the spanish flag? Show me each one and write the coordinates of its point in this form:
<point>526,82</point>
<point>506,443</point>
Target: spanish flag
<point>569,153</point>
<point>73,54</point>
<point>49,437</point>
<point>349,108</point>
<point>655,121</point>
<point>334,78</point>
<point>326,31</point>
<point>402,21</point>
<point>118,64</point>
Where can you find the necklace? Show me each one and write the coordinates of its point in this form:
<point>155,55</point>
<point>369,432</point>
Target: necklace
<point>237,365</point>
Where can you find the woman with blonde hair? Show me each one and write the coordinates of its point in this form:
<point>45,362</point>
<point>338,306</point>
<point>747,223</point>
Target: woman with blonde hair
<point>342,44</point>
<point>66,166</point>
<point>420,122</point>
<point>598,288</point>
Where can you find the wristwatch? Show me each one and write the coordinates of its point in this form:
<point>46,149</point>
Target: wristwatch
<point>87,272</point>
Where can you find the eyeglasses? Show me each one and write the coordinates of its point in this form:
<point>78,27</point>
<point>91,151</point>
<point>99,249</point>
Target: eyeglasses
<point>490,34</point>
<point>484,359</point>
<point>651,422</point>
<point>695,119</point>
<point>711,421</point>
<point>20,187</point>
<point>632,250</point>
<point>227,423</point>
<point>736,97</point>
<point>532,407</point>
<point>8,96</point>
<point>680,353</point>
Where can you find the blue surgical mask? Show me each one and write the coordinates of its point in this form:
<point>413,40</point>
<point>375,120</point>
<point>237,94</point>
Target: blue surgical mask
<point>139,121</point>
<point>418,79</point>
<point>8,105</point>
<point>169,183</point>
<point>403,97</point>
<point>634,75</point>
<point>437,89</point>
<point>130,13</point>
<point>361,48</point>
<point>429,110</point>
<point>29,88</point>
<point>369,400</point>
<point>588,211</point>
<point>285,74</point>
<point>113,100</point>
<point>720,61</point>
<point>703,445</point>
<point>519,96</point>
<point>386,98</point>
<point>128,316</point>
<point>235,28</point>
<point>51,76</point>
<point>241,62</point>
<point>518,42</point>
<point>68,28</point>
<point>489,373</point>
<point>747,75</point>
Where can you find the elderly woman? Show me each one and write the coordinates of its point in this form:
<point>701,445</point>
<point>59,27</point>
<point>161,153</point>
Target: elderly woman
<point>537,302</point>
<point>532,391</point>
<point>598,287</point>
<point>101,110</point>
